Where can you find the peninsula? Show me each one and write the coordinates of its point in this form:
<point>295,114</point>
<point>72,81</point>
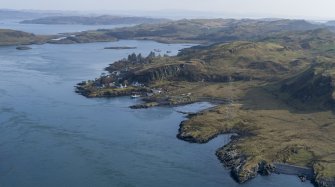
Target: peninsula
<point>276,92</point>
<point>273,82</point>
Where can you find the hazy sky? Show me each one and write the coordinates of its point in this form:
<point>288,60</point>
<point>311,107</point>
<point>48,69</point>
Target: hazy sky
<point>317,9</point>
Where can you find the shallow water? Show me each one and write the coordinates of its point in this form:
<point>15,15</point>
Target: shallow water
<point>50,136</point>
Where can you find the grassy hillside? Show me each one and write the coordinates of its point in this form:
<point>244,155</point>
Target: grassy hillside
<point>277,94</point>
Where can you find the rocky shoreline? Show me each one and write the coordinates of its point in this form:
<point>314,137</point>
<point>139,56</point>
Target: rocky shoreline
<point>234,160</point>
<point>253,95</point>
<point>229,155</point>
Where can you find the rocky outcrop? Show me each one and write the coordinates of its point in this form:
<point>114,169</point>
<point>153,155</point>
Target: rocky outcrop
<point>241,171</point>
<point>184,72</point>
<point>180,71</point>
<point>266,168</point>
<point>234,160</point>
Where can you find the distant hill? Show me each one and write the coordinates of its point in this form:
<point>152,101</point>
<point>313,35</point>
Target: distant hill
<point>206,30</point>
<point>98,20</point>
<point>199,31</point>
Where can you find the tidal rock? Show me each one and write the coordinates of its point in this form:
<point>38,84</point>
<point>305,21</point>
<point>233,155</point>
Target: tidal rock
<point>23,48</point>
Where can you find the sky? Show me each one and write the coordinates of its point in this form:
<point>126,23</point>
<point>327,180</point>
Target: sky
<point>309,9</point>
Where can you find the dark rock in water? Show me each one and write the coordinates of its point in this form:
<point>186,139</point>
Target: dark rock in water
<point>122,47</point>
<point>303,178</point>
<point>265,168</point>
<point>23,48</point>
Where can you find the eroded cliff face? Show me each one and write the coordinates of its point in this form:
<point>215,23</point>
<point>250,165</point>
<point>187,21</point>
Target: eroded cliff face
<point>192,72</point>
<point>182,71</point>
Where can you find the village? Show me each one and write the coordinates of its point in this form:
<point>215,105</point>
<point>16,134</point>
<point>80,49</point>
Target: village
<point>115,82</point>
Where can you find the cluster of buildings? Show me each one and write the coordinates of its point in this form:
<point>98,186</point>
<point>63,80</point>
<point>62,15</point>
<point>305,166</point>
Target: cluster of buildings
<point>105,81</point>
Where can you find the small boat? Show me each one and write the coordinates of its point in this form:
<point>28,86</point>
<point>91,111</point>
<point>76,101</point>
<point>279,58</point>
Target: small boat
<point>134,96</point>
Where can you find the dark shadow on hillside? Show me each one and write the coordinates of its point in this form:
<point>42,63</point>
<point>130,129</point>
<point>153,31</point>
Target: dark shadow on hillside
<point>263,98</point>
